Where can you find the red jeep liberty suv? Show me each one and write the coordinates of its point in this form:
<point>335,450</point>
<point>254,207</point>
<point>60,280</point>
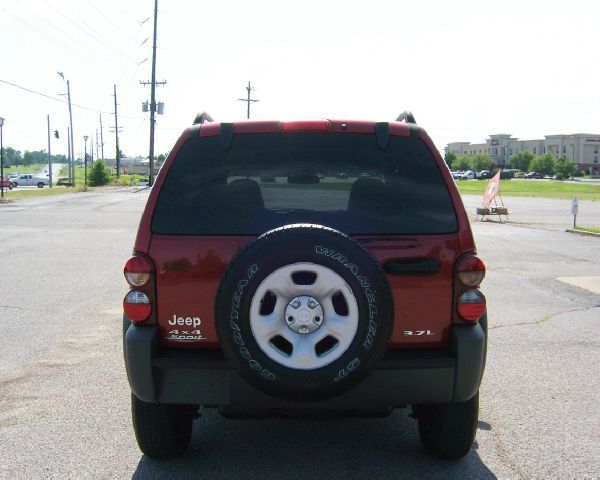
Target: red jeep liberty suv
<point>308,265</point>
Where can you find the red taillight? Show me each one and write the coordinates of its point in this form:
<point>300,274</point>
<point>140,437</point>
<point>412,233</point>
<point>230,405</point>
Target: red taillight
<point>306,126</point>
<point>137,271</point>
<point>137,306</point>
<point>471,271</point>
<point>471,305</point>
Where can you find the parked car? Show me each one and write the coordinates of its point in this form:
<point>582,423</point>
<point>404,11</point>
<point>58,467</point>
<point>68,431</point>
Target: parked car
<point>27,179</point>
<point>468,175</point>
<point>63,182</point>
<point>484,174</point>
<point>508,173</point>
<point>7,183</point>
<point>253,299</point>
<point>534,175</point>
<point>143,182</point>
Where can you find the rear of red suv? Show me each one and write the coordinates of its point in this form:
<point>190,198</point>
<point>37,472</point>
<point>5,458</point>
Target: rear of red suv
<point>304,265</point>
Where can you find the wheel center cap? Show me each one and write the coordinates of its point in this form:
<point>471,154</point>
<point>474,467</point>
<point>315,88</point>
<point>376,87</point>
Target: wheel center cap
<point>304,314</point>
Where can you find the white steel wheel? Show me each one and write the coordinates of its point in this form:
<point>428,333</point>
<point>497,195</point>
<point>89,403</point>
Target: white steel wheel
<point>304,316</point>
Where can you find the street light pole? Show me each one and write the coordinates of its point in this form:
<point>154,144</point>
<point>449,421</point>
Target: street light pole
<point>85,139</point>
<point>1,159</point>
<point>72,159</point>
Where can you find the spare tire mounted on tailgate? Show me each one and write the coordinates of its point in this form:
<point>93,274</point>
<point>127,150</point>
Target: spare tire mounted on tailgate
<point>304,312</point>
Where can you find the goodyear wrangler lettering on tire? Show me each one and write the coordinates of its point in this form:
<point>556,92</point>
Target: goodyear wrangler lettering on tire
<point>370,294</point>
<point>236,334</point>
<point>345,371</point>
<point>312,321</point>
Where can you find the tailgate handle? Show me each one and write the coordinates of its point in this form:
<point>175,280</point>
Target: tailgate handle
<point>413,266</point>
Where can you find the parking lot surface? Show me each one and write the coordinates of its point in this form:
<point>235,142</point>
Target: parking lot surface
<point>64,398</point>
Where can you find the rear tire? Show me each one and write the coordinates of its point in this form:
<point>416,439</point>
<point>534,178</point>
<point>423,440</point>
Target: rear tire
<point>448,430</point>
<point>162,431</point>
<point>40,185</point>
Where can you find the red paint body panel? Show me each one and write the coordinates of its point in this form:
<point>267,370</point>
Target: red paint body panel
<point>189,268</point>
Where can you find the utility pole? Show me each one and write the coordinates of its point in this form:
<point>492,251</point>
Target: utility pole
<point>153,83</point>
<point>1,160</point>
<point>97,143</point>
<point>118,153</point>
<point>85,138</point>
<point>248,100</point>
<point>101,138</point>
<point>49,155</point>
<point>72,156</point>
<point>71,123</point>
<point>69,153</point>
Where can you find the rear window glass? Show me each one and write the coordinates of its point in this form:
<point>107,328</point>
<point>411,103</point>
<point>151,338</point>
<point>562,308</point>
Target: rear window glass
<point>268,180</point>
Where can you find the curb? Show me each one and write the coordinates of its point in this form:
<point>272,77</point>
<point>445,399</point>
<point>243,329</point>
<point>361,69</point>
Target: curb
<point>583,232</point>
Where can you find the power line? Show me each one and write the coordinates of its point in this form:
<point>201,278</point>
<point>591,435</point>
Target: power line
<point>116,4</point>
<point>110,21</point>
<point>43,34</point>
<point>95,35</point>
<point>64,101</point>
<point>63,32</point>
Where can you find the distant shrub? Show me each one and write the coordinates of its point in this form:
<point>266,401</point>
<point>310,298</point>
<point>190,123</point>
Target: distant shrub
<point>99,174</point>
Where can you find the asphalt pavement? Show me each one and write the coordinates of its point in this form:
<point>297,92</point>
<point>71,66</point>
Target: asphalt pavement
<point>64,398</point>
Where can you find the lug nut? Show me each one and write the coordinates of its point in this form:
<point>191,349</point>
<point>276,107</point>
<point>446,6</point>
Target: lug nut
<point>296,304</point>
<point>304,329</point>
<point>311,304</point>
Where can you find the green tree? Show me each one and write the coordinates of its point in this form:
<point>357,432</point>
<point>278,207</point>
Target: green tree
<point>521,160</point>
<point>58,158</point>
<point>449,158</point>
<point>99,174</point>
<point>461,163</point>
<point>36,156</point>
<point>481,161</point>
<point>543,164</point>
<point>564,168</point>
<point>12,156</point>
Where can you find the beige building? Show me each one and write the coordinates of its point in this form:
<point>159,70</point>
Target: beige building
<point>581,148</point>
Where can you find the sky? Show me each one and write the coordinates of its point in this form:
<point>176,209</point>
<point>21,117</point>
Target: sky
<point>466,69</point>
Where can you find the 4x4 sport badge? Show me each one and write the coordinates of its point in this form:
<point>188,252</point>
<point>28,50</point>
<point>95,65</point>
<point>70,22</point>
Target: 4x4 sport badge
<point>184,334</point>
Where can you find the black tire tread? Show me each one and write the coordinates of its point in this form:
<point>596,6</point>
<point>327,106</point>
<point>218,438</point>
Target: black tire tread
<point>290,230</point>
<point>448,430</point>
<point>162,431</point>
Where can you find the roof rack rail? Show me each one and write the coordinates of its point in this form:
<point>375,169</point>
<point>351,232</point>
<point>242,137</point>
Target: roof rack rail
<point>406,116</point>
<point>202,117</point>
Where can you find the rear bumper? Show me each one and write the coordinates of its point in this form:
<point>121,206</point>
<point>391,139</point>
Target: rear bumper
<point>207,378</point>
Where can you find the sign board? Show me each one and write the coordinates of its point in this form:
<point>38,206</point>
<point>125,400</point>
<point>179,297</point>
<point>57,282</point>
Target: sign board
<point>492,189</point>
<point>574,206</point>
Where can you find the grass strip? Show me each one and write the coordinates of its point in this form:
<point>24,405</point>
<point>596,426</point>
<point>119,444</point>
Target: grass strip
<point>534,188</point>
<point>588,229</point>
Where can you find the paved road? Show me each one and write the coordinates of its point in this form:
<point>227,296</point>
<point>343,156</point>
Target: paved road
<point>64,407</point>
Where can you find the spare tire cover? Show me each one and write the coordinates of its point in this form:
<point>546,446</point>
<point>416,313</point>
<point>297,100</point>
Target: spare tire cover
<point>304,312</point>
